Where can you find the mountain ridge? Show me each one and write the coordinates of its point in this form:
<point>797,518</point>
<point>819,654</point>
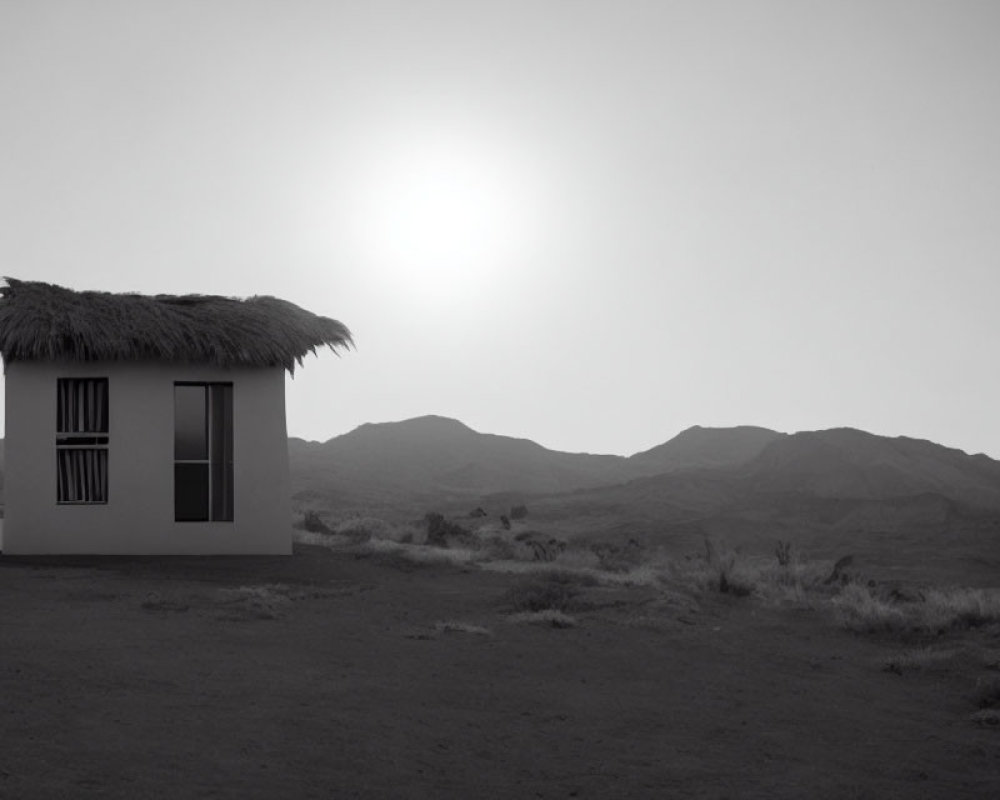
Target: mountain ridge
<point>700,471</point>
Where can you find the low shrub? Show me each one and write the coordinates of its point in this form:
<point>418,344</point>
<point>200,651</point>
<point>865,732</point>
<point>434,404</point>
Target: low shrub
<point>960,608</point>
<point>726,572</point>
<point>554,590</point>
<point>919,660</point>
<point>619,558</point>
<point>872,608</point>
<point>362,529</point>
<point>858,609</point>
<point>441,531</point>
<point>536,546</point>
<point>312,522</point>
<point>496,548</point>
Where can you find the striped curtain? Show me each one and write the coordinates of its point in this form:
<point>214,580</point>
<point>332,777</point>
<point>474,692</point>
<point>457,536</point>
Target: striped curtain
<point>82,405</point>
<point>82,475</point>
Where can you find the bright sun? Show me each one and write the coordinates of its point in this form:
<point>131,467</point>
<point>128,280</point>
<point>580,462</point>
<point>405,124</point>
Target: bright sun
<point>444,215</point>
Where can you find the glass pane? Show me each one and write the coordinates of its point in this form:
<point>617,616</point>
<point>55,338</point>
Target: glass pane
<point>190,492</point>
<point>222,452</point>
<point>190,423</point>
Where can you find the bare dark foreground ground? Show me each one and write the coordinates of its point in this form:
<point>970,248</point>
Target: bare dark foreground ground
<point>155,679</point>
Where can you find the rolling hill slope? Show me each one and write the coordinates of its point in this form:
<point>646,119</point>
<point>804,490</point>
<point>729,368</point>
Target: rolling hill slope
<point>434,459</point>
<point>440,461</point>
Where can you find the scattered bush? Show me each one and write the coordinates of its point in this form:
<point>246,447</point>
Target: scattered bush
<point>312,522</point>
<point>618,558</point>
<point>723,567</point>
<point>874,608</point>
<point>518,512</point>
<point>960,608</point>
<point>554,590</point>
<point>496,548</point>
<point>440,530</point>
<point>858,609</point>
<point>535,546</point>
<point>839,572</point>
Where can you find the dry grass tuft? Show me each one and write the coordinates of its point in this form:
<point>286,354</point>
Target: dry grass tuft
<point>863,608</point>
<point>920,660</point>
<point>550,617</point>
<point>388,551</point>
<point>860,610</point>
<point>554,590</point>
<point>266,601</point>
<point>455,626</point>
<point>960,608</point>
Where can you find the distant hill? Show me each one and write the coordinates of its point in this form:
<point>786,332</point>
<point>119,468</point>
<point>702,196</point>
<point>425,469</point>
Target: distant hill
<point>436,460</point>
<point>837,491</point>
<point>699,448</point>
<point>844,462</point>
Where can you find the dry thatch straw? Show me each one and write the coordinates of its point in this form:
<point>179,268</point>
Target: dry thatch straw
<point>42,322</point>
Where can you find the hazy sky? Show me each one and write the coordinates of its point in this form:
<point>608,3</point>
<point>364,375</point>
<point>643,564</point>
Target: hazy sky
<point>591,224</point>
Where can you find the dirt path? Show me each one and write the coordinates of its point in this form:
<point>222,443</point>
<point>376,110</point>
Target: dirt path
<point>136,679</point>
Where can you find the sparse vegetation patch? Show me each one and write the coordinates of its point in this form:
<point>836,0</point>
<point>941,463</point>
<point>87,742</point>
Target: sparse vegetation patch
<point>312,522</point>
<point>267,601</point>
<point>442,532</point>
<point>859,609</point>
<point>920,660</point>
<point>455,626</point>
<point>550,617</point>
<point>869,607</point>
<point>553,590</point>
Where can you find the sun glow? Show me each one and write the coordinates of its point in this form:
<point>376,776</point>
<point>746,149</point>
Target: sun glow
<point>446,215</point>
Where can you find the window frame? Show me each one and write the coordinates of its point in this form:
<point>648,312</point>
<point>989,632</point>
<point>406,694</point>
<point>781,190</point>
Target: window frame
<point>97,441</point>
<point>212,458</point>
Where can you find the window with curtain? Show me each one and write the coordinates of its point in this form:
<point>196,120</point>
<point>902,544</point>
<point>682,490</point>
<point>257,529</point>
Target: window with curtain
<point>203,452</point>
<point>82,440</point>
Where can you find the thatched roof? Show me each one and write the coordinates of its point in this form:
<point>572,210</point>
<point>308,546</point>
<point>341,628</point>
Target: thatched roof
<point>42,322</point>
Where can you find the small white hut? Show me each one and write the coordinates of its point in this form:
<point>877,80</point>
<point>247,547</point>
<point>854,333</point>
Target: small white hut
<point>149,425</point>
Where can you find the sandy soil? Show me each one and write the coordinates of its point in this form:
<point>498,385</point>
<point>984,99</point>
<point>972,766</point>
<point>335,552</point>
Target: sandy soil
<point>131,678</point>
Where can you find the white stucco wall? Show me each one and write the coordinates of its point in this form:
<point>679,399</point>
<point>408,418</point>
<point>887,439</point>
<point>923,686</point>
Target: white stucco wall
<point>139,515</point>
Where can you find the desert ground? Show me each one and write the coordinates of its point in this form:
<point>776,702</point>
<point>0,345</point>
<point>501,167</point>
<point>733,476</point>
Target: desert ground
<point>347,671</point>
